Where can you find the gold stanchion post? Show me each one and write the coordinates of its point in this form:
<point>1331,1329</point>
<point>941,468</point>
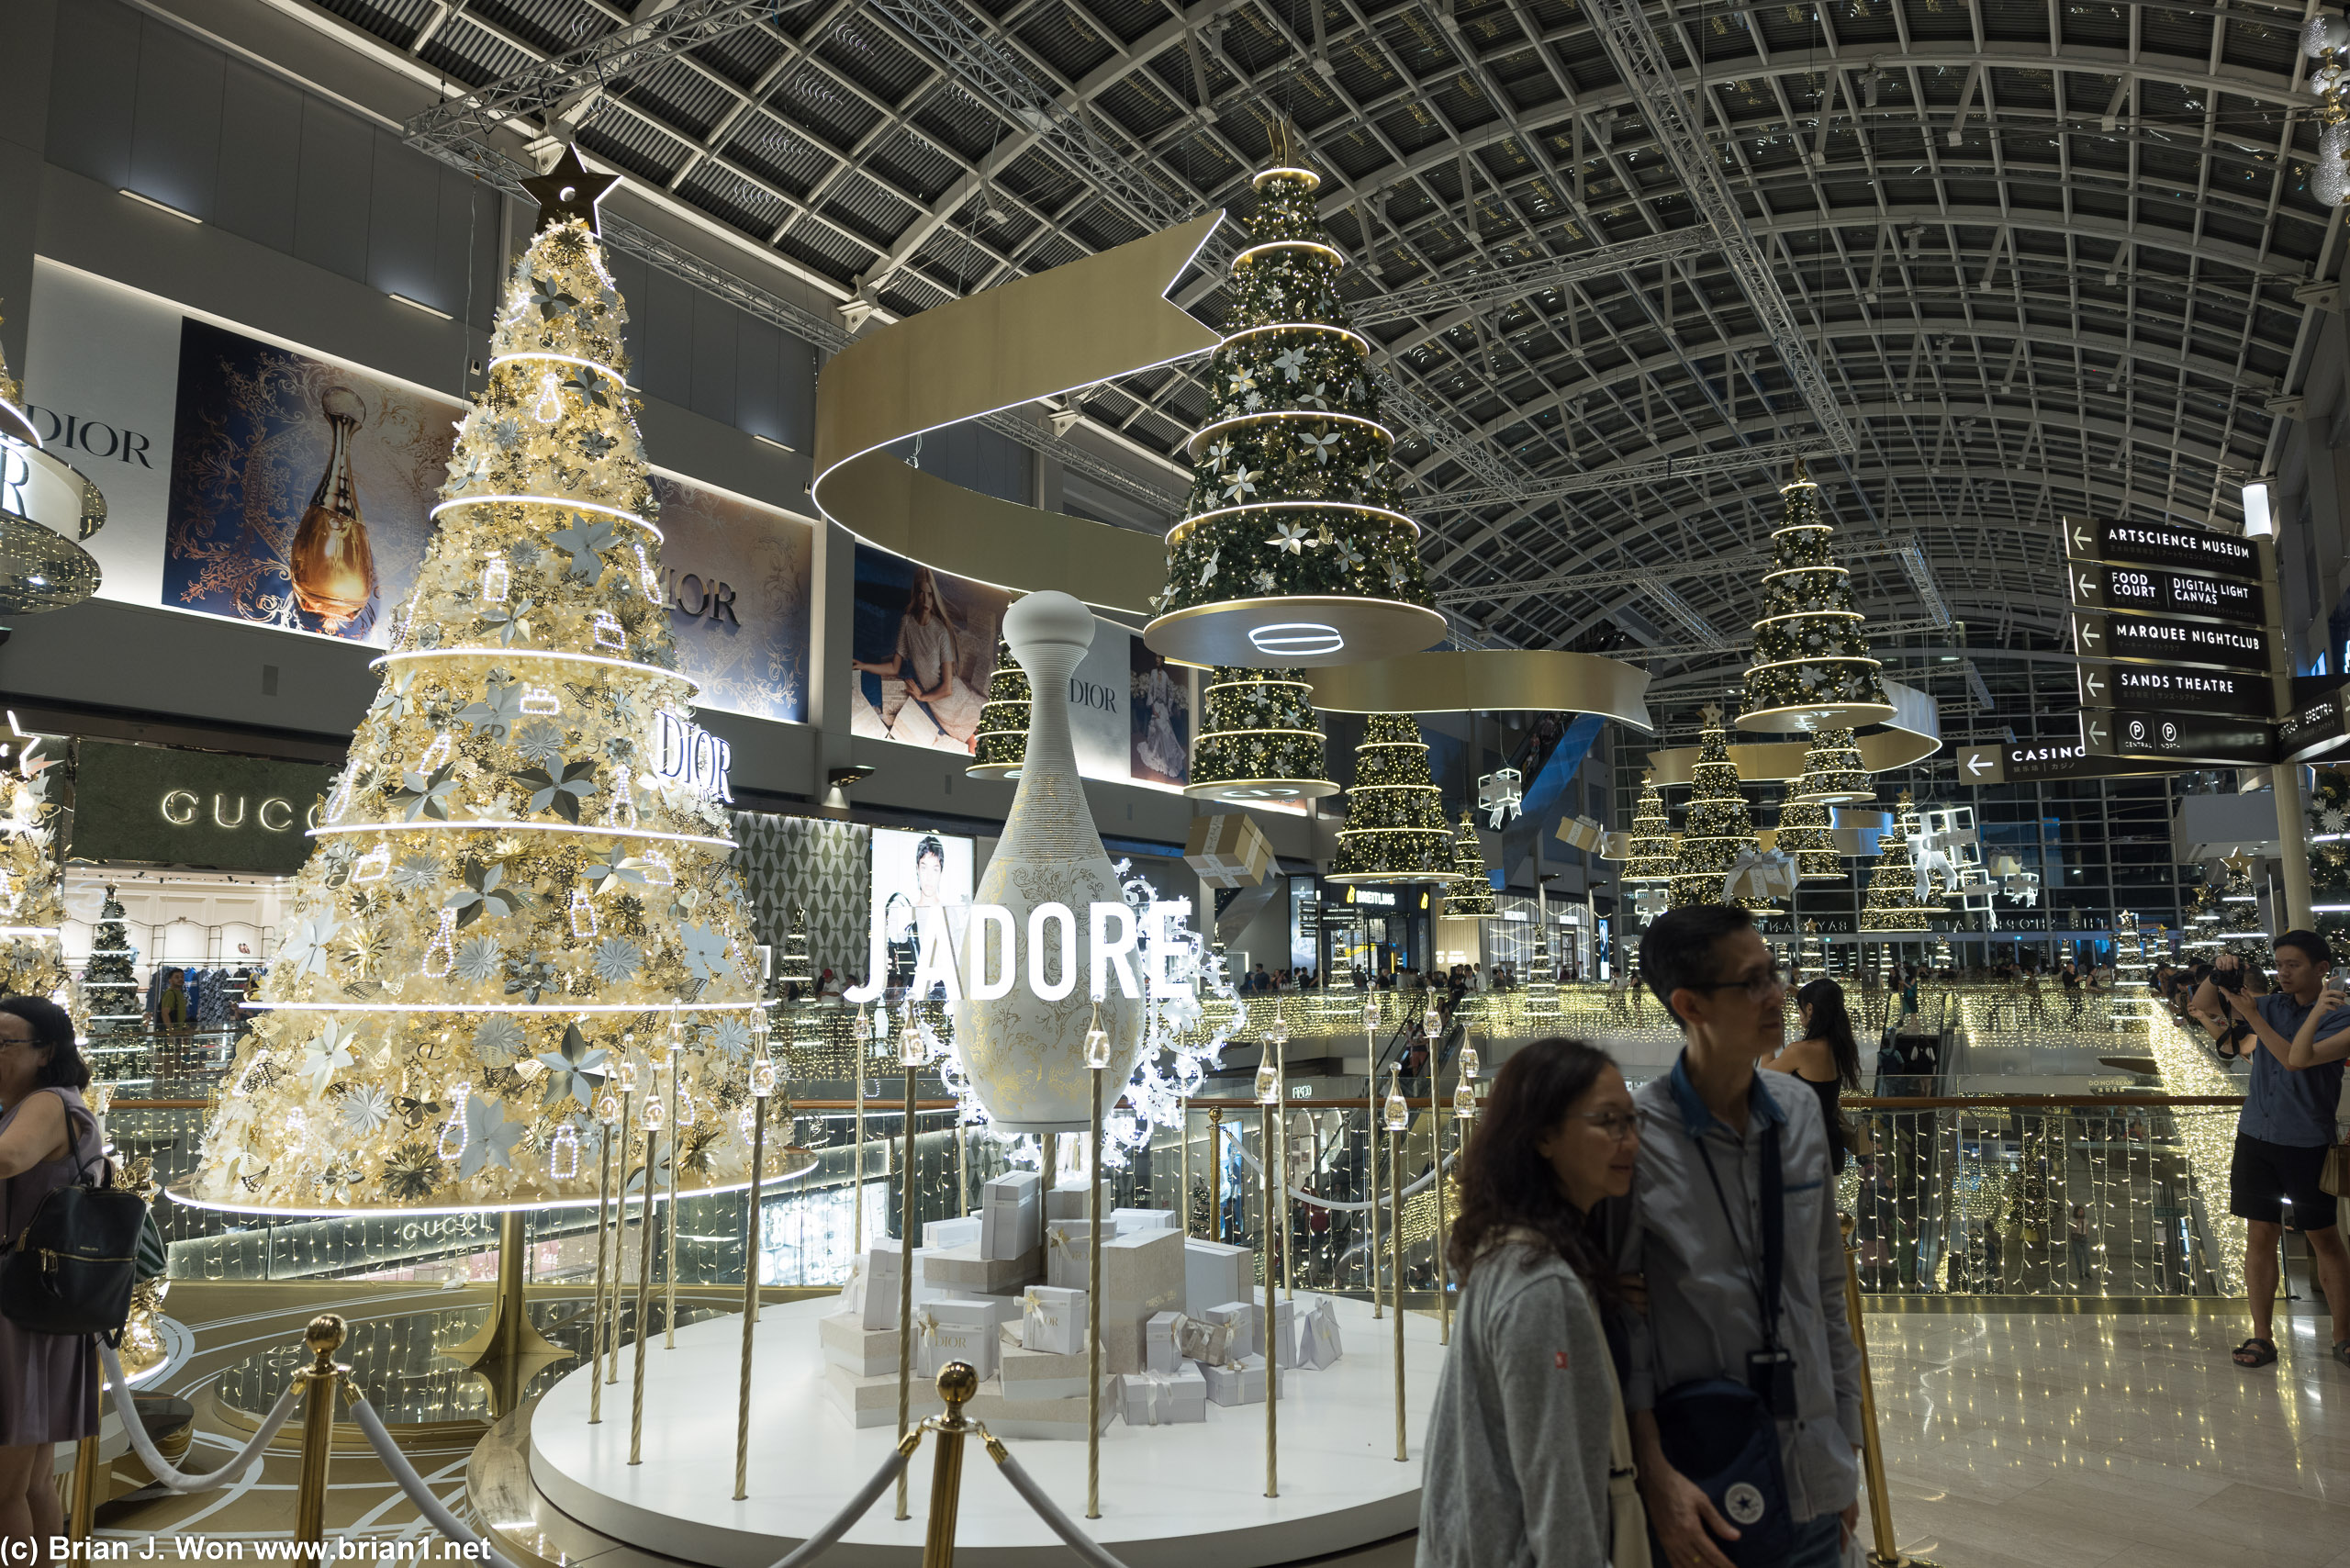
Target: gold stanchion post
<point>1277,1155</point>
<point>1215,1173</point>
<point>608,1108</point>
<point>1269,1099</point>
<point>669,1231</point>
<point>957,1383</point>
<point>80,1516</point>
<point>856,1155</point>
<point>762,1085</point>
<point>1370,1136</point>
<point>1432,1025</point>
<point>1886,1554</point>
<point>909,1055</point>
<point>619,1212</point>
<point>1183,1203</point>
<point>648,1218</point>
<point>1398,1118</point>
<point>1097,1058</point>
<point>321,1381</point>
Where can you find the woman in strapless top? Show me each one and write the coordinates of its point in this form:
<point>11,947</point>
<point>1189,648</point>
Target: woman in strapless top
<point>1826,1057</point>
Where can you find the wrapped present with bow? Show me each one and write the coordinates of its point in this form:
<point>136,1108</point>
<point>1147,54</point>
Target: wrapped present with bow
<point>1283,1337</point>
<point>1040,1374</point>
<point>1163,1399</point>
<point>878,1284</point>
<point>1214,1273</point>
<point>1317,1335</point>
<point>1759,875</point>
<point>1197,1340</point>
<point>1068,1255</point>
<point>1239,1383</point>
<point>1052,1317</point>
<point>951,1329</point>
<point>1142,1276</point>
<point>1239,1320</point>
<point>939,1234</point>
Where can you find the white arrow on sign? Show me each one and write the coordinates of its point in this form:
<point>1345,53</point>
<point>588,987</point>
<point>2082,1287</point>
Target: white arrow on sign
<point>2080,537</point>
<point>2095,686</point>
<point>2091,634</point>
<point>2096,732</point>
<point>2087,584</point>
<point>1978,763</point>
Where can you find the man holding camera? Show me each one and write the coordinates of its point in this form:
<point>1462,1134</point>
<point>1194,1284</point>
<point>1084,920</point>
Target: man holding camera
<point>2286,1128</point>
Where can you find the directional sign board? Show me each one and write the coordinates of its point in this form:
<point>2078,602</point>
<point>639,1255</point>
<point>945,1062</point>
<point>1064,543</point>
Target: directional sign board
<point>2158,639</point>
<point>2177,738</point>
<point>2096,585</point>
<point>2154,689</point>
<point>2179,549</point>
<point>2316,727</point>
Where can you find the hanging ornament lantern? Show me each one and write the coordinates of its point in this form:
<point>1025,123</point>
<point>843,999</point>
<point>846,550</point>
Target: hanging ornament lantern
<point>46,510</point>
<point>1469,895</point>
<point>1394,830</point>
<point>1259,739</point>
<point>1294,549</point>
<point>1001,739</point>
<point>1811,663</point>
<point>1650,854</point>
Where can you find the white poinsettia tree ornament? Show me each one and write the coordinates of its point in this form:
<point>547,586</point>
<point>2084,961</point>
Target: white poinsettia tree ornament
<point>521,877</point>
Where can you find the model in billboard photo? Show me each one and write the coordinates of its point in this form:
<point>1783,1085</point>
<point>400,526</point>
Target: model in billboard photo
<point>926,698</point>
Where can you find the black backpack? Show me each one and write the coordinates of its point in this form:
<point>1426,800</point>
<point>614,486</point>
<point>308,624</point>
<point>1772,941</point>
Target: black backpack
<point>72,1270</point>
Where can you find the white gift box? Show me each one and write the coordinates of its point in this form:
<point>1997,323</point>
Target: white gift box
<point>1041,1374</point>
<point>1162,1342</point>
<point>878,1307</point>
<point>1052,1317</point>
<point>1068,1257</point>
<point>1240,1316</point>
<point>961,1271</point>
<point>1214,1274</point>
<point>1317,1335</point>
<point>846,1342</point>
<point>1241,1384</point>
<point>1164,1399</point>
<point>870,1402</point>
<point>1068,1202</point>
<point>1012,1216</point>
<point>943,1233</point>
<point>1284,1334</point>
<point>1008,1415</point>
<point>1125,1222</point>
<point>1197,1340</point>
<point>950,1330</point>
<point>1142,1275</point>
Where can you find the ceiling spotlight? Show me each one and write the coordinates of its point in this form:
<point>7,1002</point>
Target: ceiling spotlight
<point>854,773</point>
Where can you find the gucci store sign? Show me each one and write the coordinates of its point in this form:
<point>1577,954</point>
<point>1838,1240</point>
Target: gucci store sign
<point>194,808</point>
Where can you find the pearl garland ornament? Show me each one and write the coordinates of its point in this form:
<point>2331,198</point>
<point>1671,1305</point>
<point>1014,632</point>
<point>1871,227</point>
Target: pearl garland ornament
<point>495,578</point>
<point>562,1153</point>
<point>452,1143</point>
<point>549,407</point>
<point>582,914</point>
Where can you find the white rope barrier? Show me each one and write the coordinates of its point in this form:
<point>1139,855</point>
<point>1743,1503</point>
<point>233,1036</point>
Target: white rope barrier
<point>1059,1523</point>
<point>437,1514</point>
<point>172,1480</point>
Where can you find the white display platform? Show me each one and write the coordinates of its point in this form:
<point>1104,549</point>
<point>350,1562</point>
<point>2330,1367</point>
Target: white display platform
<point>1170,1496</point>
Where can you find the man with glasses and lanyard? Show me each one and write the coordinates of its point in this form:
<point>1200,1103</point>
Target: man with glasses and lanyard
<point>1743,1387</point>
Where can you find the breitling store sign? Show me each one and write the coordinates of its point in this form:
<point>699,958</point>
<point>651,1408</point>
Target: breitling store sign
<point>166,807</point>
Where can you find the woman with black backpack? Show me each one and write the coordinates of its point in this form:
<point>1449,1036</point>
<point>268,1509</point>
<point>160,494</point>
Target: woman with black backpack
<point>49,1382</point>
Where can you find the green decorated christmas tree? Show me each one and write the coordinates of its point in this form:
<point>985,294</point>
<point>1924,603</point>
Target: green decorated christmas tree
<point>111,980</point>
<point>1892,903</point>
<point>1394,830</point>
<point>520,887</point>
<point>1832,773</point>
<point>1719,826</point>
<point>1470,892</point>
<point>1649,856</point>
<point>1259,739</point>
<point>791,967</point>
<point>1812,667</point>
<point>1294,492</point>
<point>1001,743</point>
<point>1804,832</point>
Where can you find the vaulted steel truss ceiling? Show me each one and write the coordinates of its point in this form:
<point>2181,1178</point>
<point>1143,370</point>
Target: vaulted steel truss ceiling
<point>2052,257</point>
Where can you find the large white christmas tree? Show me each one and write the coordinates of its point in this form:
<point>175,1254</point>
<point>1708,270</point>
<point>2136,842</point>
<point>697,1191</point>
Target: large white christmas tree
<point>520,882</point>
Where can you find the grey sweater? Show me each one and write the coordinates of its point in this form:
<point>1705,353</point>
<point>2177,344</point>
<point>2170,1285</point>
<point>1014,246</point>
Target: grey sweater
<point>1517,1469</point>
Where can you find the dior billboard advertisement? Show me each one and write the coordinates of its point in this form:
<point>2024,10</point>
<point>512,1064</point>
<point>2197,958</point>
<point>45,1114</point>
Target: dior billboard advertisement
<point>249,479</point>
<point>923,647</point>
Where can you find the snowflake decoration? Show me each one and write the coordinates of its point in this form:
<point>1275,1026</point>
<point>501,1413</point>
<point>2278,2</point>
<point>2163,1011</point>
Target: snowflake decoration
<point>366,1110</point>
<point>499,1040</point>
<point>617,958</point>
<point>1289,536</point>
<point>477,960</point>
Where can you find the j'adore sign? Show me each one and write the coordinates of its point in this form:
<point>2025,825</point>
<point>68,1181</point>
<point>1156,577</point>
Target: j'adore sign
<point>981,952</point>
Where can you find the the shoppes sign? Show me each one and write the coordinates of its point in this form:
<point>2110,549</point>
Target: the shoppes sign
<point>995,951</point>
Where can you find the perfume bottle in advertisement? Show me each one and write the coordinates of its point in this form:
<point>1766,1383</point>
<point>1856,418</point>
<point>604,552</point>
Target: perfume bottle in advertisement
<point>333,566</point>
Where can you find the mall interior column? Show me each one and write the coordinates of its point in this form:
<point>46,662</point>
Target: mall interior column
<point>28,44</point>
<point>2293,845</point>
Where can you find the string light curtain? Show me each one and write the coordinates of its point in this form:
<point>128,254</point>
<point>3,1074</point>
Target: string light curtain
<point>1394,830</point>
<point>1812,667</point>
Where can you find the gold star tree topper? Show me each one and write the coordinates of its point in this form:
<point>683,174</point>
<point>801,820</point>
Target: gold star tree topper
<point>569,190</point>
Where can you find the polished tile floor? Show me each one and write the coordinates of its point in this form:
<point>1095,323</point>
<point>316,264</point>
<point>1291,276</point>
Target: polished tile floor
<point>2066,1442</point>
